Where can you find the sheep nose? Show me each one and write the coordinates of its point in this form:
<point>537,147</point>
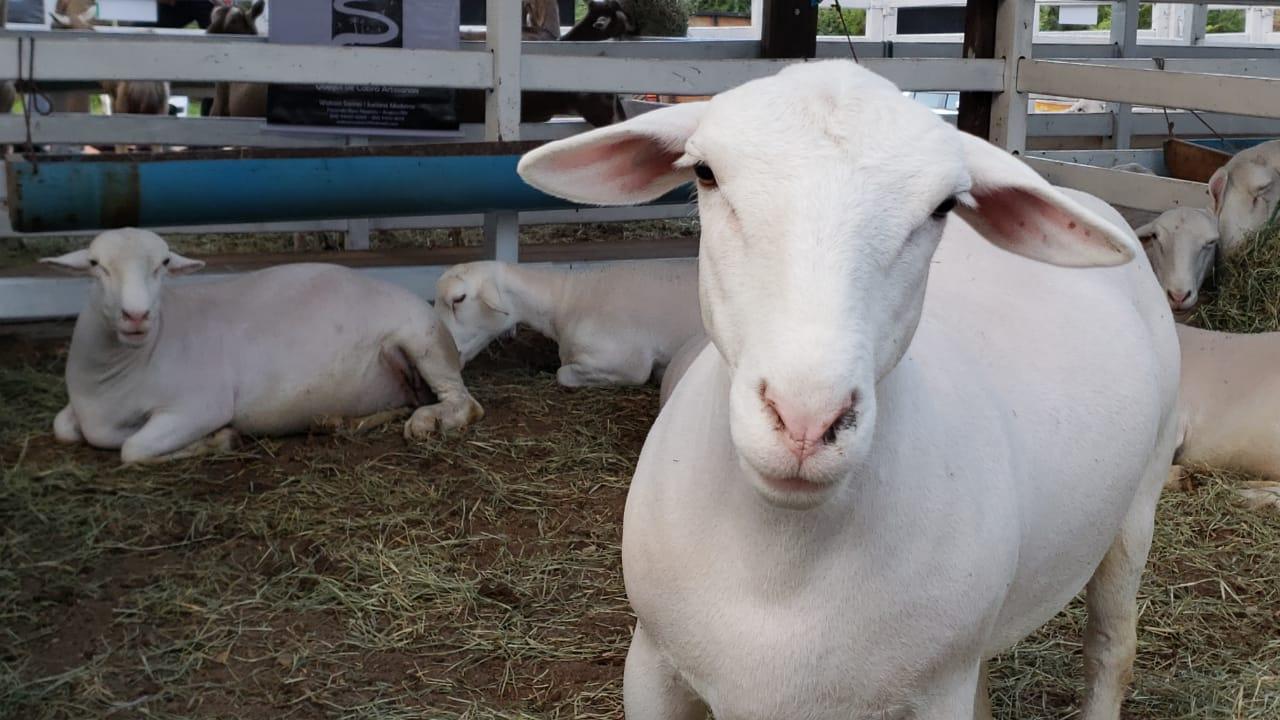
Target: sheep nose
<point>136,317</point>
<point>1178,298</point>
<point>804,427</point>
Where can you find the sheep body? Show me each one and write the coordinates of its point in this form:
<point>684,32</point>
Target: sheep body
<point>270,352</point>
<point>615,325</point>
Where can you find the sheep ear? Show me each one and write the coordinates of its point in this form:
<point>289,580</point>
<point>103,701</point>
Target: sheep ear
<point>623,164</point>
<point>1217,186</point>
<point>1014,208</point>
<point>179,265</point>
<point>1146,232</point>
<point>257,8</point>
<point>491,297</point>
<point>76,263</point>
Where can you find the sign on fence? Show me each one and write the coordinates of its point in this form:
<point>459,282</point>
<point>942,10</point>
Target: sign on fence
<point>371,108</point>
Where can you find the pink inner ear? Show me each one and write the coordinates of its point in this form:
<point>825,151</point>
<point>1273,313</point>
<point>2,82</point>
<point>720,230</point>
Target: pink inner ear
<point>1015,213</point>
<point>633,163</point>
<point>1217,184</point>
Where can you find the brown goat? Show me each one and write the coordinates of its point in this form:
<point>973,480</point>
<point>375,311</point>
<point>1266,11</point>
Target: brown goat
<point>139,97</point>
<point>237,99</point>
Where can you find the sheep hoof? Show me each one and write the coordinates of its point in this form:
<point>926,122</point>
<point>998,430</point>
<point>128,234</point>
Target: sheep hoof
<point>1264,496</point>
<point>440,417</point>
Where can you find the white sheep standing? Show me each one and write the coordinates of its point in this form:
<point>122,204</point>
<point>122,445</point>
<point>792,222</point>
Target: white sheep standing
<point>1243,194</point>
<point>874,483</point>
<point>1229,414</point>
<point>616,324</point>
<point>163,372</point>
<point>1182,245</point>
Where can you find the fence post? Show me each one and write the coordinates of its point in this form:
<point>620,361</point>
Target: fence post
<point>790,29</point>
<point>1124,42</point>
<point>357,228</point>
<point>1014,33</point>
<point>502,115</point>
<point>974,116</point>
<point>1199,21</point>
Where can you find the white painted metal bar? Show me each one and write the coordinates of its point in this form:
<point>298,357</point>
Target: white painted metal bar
<point>128,58</point>
<point>219,132</point>
<point>1145,192</point>
<point>47,298</point>
<point>1235,94</point>
<point>1124,36</point>
<point>1014,29</point>
<point>502,116</point>
<point>1092,125</point>
<point>682,77</point>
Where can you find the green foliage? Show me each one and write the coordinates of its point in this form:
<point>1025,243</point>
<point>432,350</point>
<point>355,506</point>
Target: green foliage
<point>732,7</point>
<point>829,21</point>
<point>1225,21</point>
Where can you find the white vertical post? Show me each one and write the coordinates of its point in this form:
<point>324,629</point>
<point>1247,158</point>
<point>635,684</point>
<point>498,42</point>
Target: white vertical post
<point>1015,29</point>
<point>1124,41</point>
<point>757,18</point>
<point>357,228</point>
<point>502,115</point>
<point>1199,22</point>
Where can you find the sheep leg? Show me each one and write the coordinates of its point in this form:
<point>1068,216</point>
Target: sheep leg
<point>440,367</point>
<point>953,696</point>
<point>337,424</point>
<point>171,436</point>
<point>651,688</point>
<point>66,427</point>
<point>982,699</point>
<point>1261,495</point>
<point>1111,635</point>
<point>589,370</point>
<point>1175,481</point>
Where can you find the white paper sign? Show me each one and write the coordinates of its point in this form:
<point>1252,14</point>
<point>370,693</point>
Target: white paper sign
<point>127,10</point>
<point>1078,15</point>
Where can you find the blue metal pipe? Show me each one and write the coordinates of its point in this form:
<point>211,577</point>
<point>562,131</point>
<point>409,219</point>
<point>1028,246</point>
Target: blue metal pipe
<point>87,192</point>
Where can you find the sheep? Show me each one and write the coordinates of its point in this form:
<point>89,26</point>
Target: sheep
<point>1182,246</point>
<point>237,99</point>
<point>898,456</point>
<point>1243,194</point>
<point>1087,106</point>
<point>1228,417</point>
<point>168,372</point>
<point>615,325</point>
<point>1133,167</point>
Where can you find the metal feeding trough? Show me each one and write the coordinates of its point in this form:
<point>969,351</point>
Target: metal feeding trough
<point>51,193</point>
<point>1197,160</point>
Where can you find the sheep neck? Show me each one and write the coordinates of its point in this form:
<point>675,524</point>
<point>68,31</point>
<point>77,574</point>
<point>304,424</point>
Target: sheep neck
<point>104,356</point>
<point>535,296</point>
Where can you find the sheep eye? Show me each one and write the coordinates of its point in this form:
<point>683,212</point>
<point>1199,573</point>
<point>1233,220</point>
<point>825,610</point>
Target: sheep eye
<point>166,262</point>
<point>706,177</point>
<point>459,298</point>
<point>947,206</point>
<point>93,263</point>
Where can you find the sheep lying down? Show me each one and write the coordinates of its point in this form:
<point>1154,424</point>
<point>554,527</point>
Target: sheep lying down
<point>1227,410</point>
<point>163,372</point>
<point>619,324</point>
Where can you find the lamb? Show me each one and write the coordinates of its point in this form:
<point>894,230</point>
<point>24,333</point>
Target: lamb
<point>1228,417</point>
<point>873,483</point>
<point>1182,245</point>
<point>1243,194</point>
<point>237,99</point>
<point>163,373</point>
<point>616,325</point>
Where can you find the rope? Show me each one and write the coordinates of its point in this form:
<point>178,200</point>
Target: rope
<point>27,78</point>
<point>847,35</point>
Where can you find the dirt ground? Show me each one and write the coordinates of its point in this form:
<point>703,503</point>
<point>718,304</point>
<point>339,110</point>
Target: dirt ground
<point>473,576</point>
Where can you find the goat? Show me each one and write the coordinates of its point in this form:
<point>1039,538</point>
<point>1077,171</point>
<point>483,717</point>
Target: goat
<point>237,99</point>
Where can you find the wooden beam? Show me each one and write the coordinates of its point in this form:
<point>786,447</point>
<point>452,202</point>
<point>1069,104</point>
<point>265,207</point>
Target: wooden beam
<point>790,29</point>
<point>979,42</point>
